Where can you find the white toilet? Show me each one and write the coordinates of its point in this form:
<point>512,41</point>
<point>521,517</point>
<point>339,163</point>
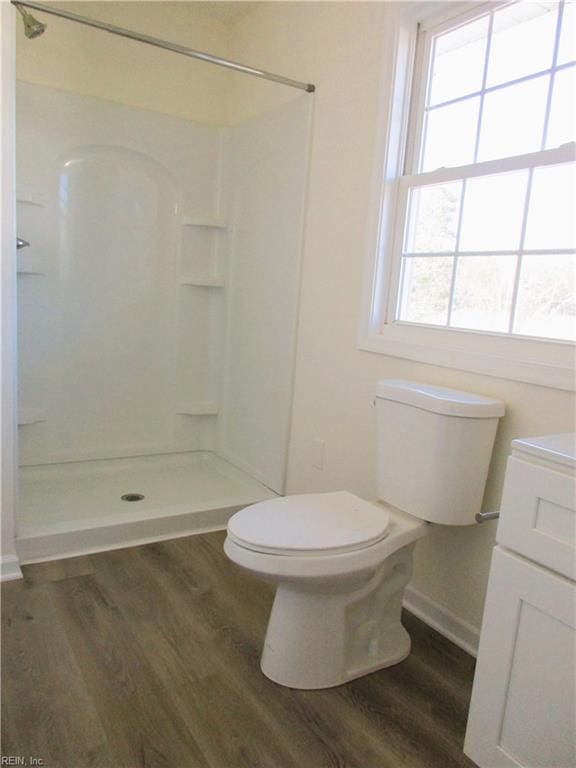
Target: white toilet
<point>341,563</point>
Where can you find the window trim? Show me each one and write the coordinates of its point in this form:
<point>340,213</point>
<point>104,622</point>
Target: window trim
<point>547,363</point>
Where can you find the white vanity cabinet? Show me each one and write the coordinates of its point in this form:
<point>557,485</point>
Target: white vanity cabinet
<point>523,710</point>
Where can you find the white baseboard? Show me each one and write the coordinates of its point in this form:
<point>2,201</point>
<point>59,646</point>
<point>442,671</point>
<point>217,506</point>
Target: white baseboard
<point>460,632</point>
<point>10,568</point>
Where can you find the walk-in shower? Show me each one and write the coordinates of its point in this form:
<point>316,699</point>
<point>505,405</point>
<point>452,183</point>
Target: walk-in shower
<point>157,297</point>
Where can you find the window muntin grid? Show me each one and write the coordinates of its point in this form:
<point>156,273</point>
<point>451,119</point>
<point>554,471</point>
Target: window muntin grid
<point>475,271</point>
<point>531,82</point>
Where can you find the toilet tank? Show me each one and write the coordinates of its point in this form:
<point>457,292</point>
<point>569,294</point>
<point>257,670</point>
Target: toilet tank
<point>433,449</point>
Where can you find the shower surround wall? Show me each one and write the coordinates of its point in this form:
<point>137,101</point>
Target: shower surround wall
<point>113,348</point>
<point>267,167</point>
<point>157,309</point>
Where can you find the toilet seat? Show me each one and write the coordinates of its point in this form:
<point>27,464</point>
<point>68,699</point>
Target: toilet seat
<point>403,530</point>
<point>310,525</point>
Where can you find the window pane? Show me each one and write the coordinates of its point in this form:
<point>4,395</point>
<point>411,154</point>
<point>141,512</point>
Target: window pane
<point>451,135</point>
<point>546,305</point>
<point>551,212</point>
<point>433,218</point>
<point>567,50</point>
<point>492,212</point>
<point>426,289</point>
<point>522,41</point>
<point>458,64</point>
<point>562,125</point>
<point>483,292</point>
<point>513,119</point>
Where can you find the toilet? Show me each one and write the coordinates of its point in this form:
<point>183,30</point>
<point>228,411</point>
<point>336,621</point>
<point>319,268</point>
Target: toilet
<point>340,564</point>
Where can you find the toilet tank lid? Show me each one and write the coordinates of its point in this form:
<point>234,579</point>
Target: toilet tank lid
<point>449,402</point>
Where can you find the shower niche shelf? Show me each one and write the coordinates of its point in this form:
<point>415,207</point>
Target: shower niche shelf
<point>204,221</point>
<point>203,281</point>
<point>203,251</point>
<point>28,416</point>
<point>207,408</point>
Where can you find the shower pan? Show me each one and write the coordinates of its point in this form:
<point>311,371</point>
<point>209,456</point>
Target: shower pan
<point>157,303</point>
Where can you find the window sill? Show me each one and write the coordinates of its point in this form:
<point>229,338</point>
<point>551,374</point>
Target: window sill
<point>547,364</point>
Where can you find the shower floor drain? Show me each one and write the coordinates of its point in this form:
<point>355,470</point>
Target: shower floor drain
<point>132,497</point>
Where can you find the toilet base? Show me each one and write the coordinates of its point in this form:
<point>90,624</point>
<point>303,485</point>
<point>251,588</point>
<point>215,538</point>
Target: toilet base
<point>324,634</point>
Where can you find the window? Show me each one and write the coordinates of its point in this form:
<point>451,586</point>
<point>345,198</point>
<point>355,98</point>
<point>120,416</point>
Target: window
<point>482,244</point>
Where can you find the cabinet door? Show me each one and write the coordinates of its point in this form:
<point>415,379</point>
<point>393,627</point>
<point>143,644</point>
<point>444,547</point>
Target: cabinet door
<point>522,711</point>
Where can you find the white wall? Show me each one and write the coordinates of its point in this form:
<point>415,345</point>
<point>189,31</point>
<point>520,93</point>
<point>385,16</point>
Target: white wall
<point>339,47</point>
<point>269,157</point>
<point>88,61</point>
<point>9,568</point>
<point>91,410</point>
<point>110,343</point>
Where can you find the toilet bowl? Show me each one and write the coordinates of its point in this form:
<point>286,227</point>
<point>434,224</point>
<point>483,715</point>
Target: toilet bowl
<point>340,566</point>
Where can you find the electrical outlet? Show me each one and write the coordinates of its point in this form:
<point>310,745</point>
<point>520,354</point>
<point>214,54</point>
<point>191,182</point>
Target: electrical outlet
<point>318,453</point>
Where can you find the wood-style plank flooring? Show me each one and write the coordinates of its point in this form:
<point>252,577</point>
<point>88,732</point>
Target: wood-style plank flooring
<point>150,657</point>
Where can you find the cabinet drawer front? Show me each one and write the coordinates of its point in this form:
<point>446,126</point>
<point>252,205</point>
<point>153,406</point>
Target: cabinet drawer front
<point>523,709</point>
<point>538,515</point>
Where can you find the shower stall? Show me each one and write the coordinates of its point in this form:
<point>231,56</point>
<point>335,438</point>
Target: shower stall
<point>158,278</point>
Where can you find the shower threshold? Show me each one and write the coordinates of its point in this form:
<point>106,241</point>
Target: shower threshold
<point>77,507</point>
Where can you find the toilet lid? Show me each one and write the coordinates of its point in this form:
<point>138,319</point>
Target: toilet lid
<point>308,524</point>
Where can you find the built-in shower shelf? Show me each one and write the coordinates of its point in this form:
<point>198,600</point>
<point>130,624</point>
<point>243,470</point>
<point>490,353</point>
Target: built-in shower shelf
<point>29,265</point>
<point>27,416</point>
<point>30,198</point>
<point>199,221</point>
<point>207,408</point>
<point>204,281</point>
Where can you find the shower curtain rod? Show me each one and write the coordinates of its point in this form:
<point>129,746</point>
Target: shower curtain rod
<point>175,48</point>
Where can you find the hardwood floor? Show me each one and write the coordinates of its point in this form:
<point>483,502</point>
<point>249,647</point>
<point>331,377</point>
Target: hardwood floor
<point>150,657</point>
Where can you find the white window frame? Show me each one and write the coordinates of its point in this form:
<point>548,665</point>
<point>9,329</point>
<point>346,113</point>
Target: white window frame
<point>535,361</point>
